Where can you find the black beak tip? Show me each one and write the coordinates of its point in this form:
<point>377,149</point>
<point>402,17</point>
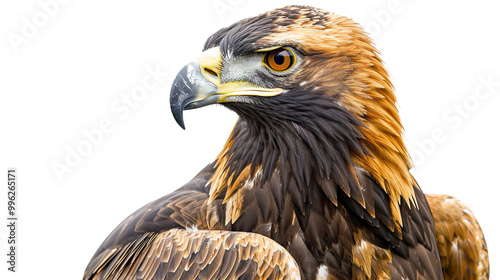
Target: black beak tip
<point>177,109</point>
<point>179,119</point>
<point>180,95</point>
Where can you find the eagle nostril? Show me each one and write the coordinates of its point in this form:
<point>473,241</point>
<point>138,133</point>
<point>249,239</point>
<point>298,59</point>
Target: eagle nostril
<point>211,74</point>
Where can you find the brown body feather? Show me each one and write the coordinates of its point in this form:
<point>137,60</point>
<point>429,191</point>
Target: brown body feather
<point>319,173</point>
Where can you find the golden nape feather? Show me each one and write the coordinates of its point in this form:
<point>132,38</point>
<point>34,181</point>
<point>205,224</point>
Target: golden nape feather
<point>314,180</point>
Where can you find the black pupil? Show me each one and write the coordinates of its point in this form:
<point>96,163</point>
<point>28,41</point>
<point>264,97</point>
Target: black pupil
<point>279,58</point>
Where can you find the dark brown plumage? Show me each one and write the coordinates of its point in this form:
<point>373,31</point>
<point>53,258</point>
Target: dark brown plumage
<point>315,175</point>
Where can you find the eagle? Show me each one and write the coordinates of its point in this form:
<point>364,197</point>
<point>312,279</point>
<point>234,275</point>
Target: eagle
<point>314,180</point>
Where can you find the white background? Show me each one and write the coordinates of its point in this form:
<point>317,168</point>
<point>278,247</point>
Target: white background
<point>65,76</point>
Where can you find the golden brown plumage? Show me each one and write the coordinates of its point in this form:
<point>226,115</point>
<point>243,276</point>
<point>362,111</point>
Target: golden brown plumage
<point>315,172</point>
<point>462,247</point>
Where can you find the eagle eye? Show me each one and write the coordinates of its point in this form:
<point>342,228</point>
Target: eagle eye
<point>279,60</point>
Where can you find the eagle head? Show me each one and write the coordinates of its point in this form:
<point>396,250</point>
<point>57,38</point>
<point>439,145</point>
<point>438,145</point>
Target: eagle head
<point>304,77</point>
<point>263,65</point>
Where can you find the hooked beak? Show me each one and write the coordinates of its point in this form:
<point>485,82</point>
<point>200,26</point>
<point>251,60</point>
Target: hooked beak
<point>198,84</point>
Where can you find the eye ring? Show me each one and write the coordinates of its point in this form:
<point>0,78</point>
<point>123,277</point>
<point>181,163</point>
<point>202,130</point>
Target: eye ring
<point>279,60</point>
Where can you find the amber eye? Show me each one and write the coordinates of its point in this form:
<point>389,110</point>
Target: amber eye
<point>279,59</point>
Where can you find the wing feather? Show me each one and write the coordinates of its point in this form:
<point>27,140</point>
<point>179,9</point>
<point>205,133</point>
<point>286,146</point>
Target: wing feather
<point>187,254</point>
<point>461,243</point>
